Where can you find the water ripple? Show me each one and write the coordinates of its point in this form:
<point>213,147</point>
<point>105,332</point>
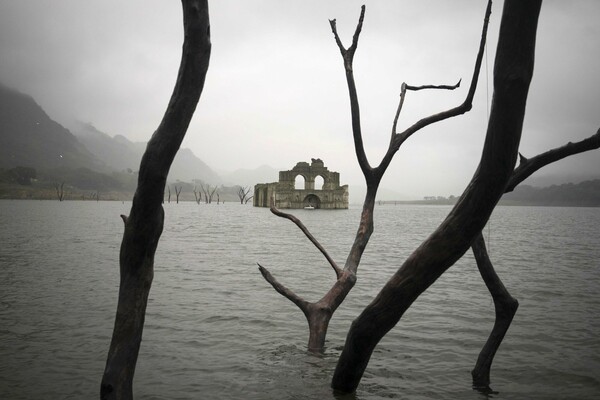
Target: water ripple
<point>216,329</point>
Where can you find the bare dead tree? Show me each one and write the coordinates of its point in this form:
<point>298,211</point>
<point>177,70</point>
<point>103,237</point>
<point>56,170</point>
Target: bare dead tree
<point>197,195</point>
<point>318,314</point>
<point>211,194</point>
<point>244,194</point>
<point>60,193</point>
<point>205,192</point>
<point>512,74</point>
<point>208,193</point>
<point>144,224</point>
<point>169,198</point>
<point>218,198</point>
<point>177,193</point>
<point>504,304</point>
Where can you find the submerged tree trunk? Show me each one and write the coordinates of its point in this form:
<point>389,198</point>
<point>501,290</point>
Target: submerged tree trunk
<point>177,193</point>
<point>505,305</point>
<point>512,74</point>
<point>144,224</point>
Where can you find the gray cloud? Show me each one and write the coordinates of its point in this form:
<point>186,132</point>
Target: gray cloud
<point>276,91</point>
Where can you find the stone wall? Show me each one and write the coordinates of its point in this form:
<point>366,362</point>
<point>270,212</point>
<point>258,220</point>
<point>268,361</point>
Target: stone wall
<point>330,196</point>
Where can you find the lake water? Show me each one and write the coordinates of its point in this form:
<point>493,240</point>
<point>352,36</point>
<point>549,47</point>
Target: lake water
<point>216,330</point>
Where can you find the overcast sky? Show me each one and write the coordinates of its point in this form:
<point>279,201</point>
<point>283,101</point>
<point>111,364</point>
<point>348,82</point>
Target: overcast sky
<point>276,92</point>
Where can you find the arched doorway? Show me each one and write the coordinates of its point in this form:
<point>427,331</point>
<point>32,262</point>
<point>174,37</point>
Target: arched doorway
<point>312,200</point>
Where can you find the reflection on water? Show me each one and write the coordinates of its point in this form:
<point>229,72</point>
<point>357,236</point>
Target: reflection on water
<point>215,329</point>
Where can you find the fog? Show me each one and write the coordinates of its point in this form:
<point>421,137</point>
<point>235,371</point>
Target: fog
<point>276,92</point>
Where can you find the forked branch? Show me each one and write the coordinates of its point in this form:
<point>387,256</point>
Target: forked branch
<point>505,305</point>
<point>462,108</point>
<point>512,74</point>
<point>527,166</point>
<point>348,53</point>
<point>406,87</point>
<point>348,56</point>
<point>319,313</point>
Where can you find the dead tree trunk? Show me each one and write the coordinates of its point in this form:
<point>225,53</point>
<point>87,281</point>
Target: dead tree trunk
<point>243,193</point>
<point>177,193</point>
<point>144,225</point>
<point>197,195</point>
<point>208,194</point>
<point>512,74</point>
<point>505,305</point>
<point>319,314</point>
<point>60,193</point>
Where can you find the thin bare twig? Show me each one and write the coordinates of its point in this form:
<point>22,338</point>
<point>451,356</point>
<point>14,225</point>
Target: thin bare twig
<point>406,87</point>
<point>445,87</point>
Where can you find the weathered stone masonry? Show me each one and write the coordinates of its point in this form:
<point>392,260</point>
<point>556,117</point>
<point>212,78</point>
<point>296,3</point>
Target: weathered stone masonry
<point>330,196</point>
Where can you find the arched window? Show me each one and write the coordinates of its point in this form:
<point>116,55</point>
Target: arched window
<point>300,183</point>
<point>319,182</point>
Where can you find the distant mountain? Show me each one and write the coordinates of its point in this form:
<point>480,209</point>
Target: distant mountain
<point>583,194</point>
<point>29,138</point>
<point>250,177</point>
<point>120,153</point>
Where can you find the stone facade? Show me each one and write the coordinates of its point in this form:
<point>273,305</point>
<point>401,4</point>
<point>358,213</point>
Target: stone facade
<point>330,196</point>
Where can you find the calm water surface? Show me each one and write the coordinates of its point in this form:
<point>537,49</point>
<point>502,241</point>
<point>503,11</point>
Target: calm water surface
<point>216,330</point>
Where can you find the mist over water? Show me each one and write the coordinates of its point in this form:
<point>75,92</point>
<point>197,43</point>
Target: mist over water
<point>216,330</point>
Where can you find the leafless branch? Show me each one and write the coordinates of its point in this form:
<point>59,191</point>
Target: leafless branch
<point>527,166</point>
<point>287,293</point>
<point>348,56</point>
<point>467,103</point>
<point>304,229</point>
<point>423,87</point>
<point>406,87</point>
<point>350,51</point>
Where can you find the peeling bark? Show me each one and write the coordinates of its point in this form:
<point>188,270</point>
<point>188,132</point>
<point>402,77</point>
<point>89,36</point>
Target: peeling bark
<point>144,224</point>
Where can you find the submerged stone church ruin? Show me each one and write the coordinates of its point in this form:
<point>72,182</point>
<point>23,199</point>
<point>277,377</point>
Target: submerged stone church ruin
<point>325,194</point>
